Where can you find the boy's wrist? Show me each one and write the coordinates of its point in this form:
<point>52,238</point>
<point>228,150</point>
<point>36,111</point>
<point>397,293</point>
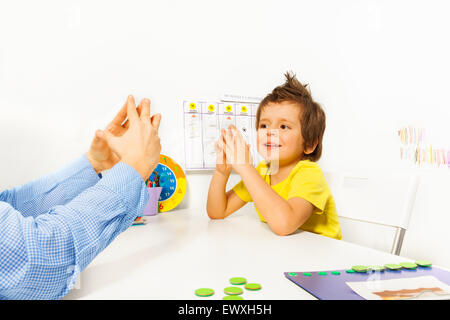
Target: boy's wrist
<point>241,168</point>
<point>223,174</point>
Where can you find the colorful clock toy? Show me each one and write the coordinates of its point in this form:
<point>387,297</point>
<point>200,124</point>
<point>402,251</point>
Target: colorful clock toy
<point>168,175</point>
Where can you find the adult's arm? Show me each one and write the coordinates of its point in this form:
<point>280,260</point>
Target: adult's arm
<point>58,188</point>
<point>41,257</point>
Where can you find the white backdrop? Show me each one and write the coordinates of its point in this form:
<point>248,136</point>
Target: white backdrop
<point>66,68</point>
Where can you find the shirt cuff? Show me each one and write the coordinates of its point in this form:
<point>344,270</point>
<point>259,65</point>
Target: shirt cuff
<point>81,164</point>
<point>124,180</point>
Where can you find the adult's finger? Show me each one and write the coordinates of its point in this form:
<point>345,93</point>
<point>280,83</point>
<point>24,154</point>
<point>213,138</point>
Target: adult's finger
<point>126,124</point>
<point>121,116</point>
<point>139,107</point>
<point>131,109</point>
<point>156,121</point>
<point>98,140</point>
<point>109,138</point>
<point>145,110</point>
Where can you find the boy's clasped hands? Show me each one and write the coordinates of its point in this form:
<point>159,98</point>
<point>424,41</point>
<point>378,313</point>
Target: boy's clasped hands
<point>233,153</point>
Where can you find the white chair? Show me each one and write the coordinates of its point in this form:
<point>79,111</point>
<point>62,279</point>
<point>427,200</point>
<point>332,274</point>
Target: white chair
<point>378,199</point>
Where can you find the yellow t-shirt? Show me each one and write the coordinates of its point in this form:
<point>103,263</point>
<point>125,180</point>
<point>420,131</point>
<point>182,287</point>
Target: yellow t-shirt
<point>305,181</point>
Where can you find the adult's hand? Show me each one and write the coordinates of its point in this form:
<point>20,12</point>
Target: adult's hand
<point>100,154</point>
<point>139,146</point>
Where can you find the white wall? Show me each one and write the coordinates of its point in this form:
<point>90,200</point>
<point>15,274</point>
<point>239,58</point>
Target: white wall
<point>66,68</point>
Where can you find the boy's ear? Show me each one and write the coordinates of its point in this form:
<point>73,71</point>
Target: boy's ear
<point>310,149</point>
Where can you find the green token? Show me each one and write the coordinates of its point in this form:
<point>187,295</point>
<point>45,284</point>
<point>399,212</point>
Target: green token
<point>360,268</point>
<point>233,290</point>
<point>307,274</point>
<point>376,268</point>
<point>408,265</point>
<point>233,298</point>
<point>336,273</point>
<point>393,266</point>
<point>292,274</point>
<point>423,263</point>
<point>252,286</point>
<point>204,292</point>
<point>238,280</point>
<point>321,273</point>
<point>350,271</point>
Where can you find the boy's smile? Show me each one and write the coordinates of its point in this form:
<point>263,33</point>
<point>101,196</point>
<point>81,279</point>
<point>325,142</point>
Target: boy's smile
<point>279,132</point>
<point>270,145</point>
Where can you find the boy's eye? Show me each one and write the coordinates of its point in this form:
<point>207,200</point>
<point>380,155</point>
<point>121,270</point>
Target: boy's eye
<point>262,126</point>
<point>283,126</point>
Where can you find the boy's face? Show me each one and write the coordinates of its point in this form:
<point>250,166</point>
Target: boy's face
<point>279,133</point>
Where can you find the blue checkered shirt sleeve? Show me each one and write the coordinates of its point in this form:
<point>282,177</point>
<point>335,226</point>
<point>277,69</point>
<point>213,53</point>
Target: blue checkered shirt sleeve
<point>52,228</point>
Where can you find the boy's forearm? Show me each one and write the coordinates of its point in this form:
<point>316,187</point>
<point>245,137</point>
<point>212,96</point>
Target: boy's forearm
<point>272,207</point>
<point>217,197</point>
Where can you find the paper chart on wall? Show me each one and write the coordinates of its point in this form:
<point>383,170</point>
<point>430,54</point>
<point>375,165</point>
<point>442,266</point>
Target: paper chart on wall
<point>203,121</point>
<point>193,135</point>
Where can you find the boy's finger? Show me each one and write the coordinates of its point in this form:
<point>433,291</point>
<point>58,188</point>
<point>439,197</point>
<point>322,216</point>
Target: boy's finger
<point>229,132</point>
<point>221,142</point>
<point>235,131</point>
<point>223,134</point>
<point>229,142</point>
<point>216,145</point>
<point>224,142</point>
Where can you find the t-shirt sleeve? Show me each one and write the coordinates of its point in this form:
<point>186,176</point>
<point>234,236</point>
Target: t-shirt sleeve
<point>241,190</point>
<point>310,184</point>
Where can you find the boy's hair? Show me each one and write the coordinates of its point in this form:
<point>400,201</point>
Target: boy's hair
<point>312,116</point>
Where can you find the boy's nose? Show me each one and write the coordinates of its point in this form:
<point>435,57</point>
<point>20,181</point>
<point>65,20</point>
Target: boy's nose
<point>272,132</point>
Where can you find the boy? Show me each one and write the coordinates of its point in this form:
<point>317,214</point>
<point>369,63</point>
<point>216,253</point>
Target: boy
<point>288,188</point>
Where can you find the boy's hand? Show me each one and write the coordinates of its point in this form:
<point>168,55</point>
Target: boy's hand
<point>237,151</point>
<point>140,145</point>
<point>100,154</point>
<point>221,162</point>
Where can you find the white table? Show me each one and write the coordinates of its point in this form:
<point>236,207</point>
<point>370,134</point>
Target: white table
<point>180,251</point>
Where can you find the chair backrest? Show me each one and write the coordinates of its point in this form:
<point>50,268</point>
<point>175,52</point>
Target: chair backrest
<point>384,199</point>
